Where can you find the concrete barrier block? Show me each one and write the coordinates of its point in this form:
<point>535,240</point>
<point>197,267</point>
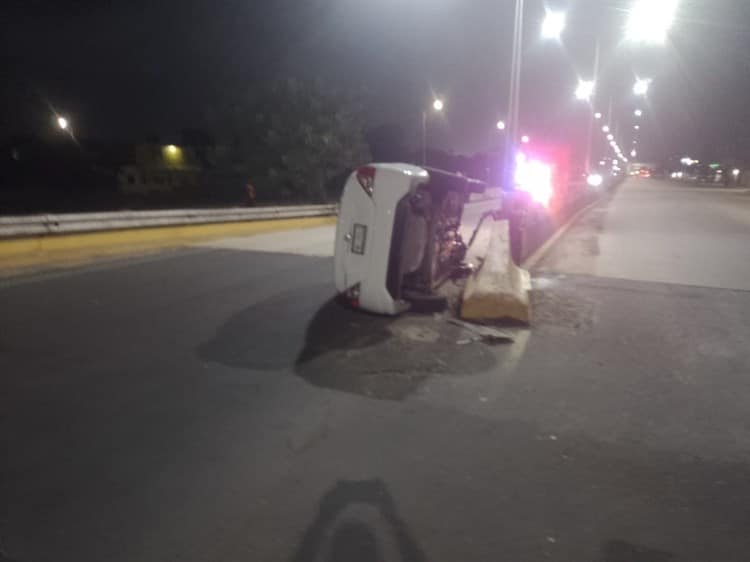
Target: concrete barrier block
<point>499,289</point>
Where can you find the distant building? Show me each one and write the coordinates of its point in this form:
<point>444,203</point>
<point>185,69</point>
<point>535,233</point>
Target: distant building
<point>160,168</point>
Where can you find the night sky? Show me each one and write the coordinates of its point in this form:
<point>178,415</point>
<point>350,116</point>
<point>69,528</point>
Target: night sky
<point>122,70</point>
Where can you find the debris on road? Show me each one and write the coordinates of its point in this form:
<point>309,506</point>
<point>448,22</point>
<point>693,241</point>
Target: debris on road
<point>486,334</point>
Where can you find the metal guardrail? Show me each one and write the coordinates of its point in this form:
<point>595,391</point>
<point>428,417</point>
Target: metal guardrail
<point>45,224</point>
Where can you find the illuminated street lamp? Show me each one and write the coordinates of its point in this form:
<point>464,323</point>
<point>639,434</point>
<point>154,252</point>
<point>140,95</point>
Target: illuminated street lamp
<point>610,137</point>
<point>553,25</point>
<point>501,125</point>
<point>585,90</point>
<point>437,105</point>
<point>597,115</point>
<point>634,153</point>
<point>641,86</point>
<point>605,129</point>
<point>636,127</point>
<point>525,139</point>
<point>63,123</point>
<point>649,22</point>
<point>638,112</point>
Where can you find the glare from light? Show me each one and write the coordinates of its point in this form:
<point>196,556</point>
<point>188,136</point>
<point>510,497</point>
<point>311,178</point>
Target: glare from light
<point>525,139</point>
<point>638,112</point>
<point>605,129</point>
<point>535,178</point>
<point>553,25</point>
<point>501,125</point>
<point>438,105</point>
<point>62,122</point>
<point>641,86</point>
<point>597,115</point>
<point>650,21</point>
<point>736,172</point>
<point>594,180</point>
<point>585,90</point>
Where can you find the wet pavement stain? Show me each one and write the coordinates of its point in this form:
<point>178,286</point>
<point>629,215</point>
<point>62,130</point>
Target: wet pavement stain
<point>382,357</point>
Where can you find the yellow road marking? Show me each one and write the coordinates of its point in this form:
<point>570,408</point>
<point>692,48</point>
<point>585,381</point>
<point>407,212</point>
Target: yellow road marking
<point>76,249</point>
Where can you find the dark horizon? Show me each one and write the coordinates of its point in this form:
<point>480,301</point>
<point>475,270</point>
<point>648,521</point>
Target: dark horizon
<point>127,70</point>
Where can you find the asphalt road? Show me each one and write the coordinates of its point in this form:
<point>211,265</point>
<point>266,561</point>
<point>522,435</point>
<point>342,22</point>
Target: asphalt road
<point>213,404</point>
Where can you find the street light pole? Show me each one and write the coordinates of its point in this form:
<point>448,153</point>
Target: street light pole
<point>424,138</point>
<point>514,93</point>
<point>590,133</point>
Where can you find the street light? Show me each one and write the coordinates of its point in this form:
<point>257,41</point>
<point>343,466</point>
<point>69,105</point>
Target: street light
<point>605,129</point>
<point>650,22</point>
<point>63,123</point>
<point>636,127</point>
<point>585,90</point>
<point>634,153</point>
<point>610,137</point>
<point>501,125</point>
<point>597,115</point>
<point>438,106</point>
<point>638,112</point>
<point>553,25</point>
<point>641,86</point>
<point>525,139</point>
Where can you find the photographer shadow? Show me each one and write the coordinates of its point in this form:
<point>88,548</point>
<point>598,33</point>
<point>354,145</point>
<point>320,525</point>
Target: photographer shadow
<point>336,536</point>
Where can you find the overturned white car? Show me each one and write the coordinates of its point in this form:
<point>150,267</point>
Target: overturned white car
<point>397,236</point>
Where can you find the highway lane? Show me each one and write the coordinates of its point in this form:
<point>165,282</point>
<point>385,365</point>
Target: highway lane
<point>665,232</point>
<point>213,404</point>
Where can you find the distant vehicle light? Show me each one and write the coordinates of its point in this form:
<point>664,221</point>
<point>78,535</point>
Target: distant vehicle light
<point>594,180</point>
<point>736,172</point>
<point>535,178</point>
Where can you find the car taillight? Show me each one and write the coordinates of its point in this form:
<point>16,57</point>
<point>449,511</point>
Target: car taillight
<point>366,178</point>
<point>352,295</point>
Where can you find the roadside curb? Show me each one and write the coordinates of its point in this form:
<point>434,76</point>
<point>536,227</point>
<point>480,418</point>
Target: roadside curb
<point>20,255</point>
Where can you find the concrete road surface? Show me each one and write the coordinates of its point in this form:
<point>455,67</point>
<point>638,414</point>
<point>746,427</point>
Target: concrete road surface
<point>214,404</point>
